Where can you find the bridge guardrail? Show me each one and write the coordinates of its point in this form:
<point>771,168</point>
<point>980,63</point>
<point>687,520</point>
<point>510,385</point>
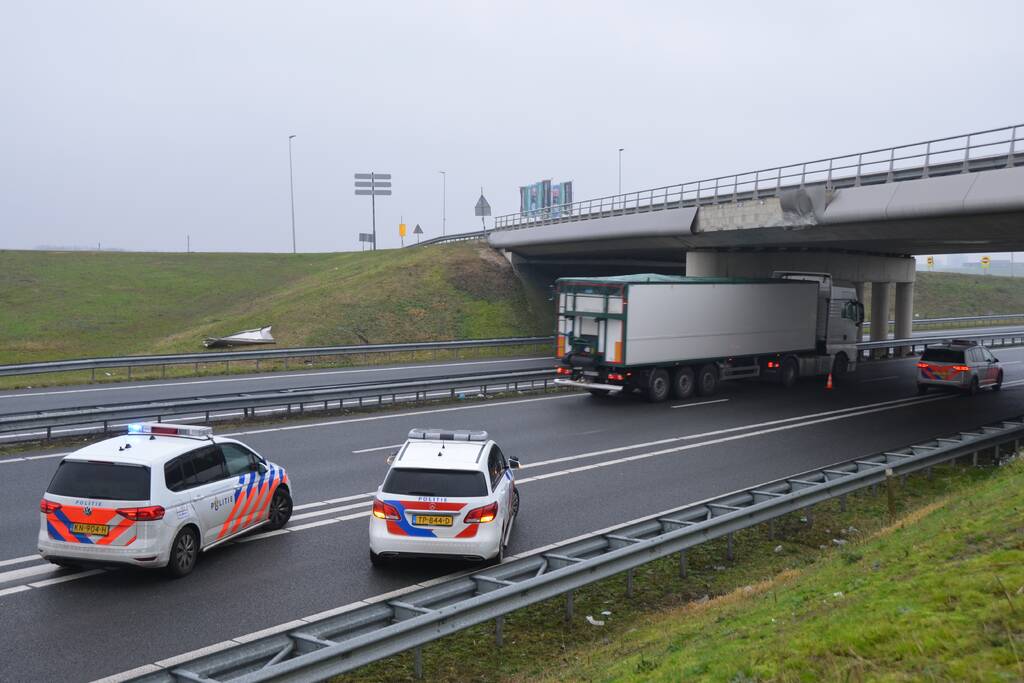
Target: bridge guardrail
<point>164,360</point>
<point>457,237</point>
<point>980,150</point>
<point>319,649</point>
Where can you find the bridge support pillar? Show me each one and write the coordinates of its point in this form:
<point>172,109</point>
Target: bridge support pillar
<point>879,312</point>
<point>904,313</point>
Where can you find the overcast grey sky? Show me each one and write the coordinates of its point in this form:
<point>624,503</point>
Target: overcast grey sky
<point>134,123</point>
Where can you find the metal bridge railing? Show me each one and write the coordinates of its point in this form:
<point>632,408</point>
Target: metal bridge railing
<point>978,151</point>
<point>319,649</point>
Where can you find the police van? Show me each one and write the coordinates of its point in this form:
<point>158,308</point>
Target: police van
<point>446,494</point>
<point>157,497</point>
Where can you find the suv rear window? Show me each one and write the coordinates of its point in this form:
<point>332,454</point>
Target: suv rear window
<point>442,483</point>
<point>102,480</point>
<point>943,355</point>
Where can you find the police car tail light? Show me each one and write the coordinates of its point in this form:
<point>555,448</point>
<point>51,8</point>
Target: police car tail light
<point>482,515</point>
<point>962,368</point>
<point>563,371</point>
<point>382,510</point>
<point>146,514</point>
<point>923,366</point>
<point>616,376</point>
<point>46,506</point>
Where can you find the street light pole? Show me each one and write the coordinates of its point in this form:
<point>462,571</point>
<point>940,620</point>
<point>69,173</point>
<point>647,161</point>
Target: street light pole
<point>620,169</point>
<point>291,188</point>
<point>444,201</point>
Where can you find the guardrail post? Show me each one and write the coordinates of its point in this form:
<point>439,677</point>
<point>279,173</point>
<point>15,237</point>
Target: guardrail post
<point>499,625</point>
<point>417,662</point>
<point>890,493</point>
<point>163,372</point>
<point>629,583</point>
<point>771,529</point>
<point>569,606</point>
<point>729,554</point>
<point>682,564</point>
<point>842,503</point>
<point>129,372</point>
<point>974,459</point>
<point>48,433</point>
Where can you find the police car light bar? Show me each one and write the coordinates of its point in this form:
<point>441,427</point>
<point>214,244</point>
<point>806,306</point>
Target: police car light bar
<point>448,435</point>
<point>166,429</point>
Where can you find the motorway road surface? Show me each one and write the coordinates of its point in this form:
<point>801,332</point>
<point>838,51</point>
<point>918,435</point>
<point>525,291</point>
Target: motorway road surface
<point>588,464</point>
<point>51,398</point>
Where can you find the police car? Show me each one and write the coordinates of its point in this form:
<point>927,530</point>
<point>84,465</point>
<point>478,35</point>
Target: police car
<point>157,497</point>
<point>963,365</point>
<point>447,493</point>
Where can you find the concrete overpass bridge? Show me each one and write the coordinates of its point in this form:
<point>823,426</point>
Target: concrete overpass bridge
<point>859,216</point>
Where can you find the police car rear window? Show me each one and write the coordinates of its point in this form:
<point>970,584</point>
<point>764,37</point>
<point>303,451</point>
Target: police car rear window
<point>100,480</point>
<point>943,356</point>
<point>443,483</point>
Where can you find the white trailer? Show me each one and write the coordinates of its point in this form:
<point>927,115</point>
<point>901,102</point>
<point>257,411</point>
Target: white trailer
<point>661,334</point>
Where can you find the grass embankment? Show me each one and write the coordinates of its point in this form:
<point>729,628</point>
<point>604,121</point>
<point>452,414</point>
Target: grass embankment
<point>952,295</point>
<point>937,595</point>
<point>57,305</point>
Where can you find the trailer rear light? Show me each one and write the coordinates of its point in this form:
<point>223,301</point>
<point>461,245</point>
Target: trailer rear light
<point>772,364</point>
<point>962,368</point>
<point>151,513</point>
<point>482,515</point>
<point>46,506</point>
<point>923,366</point>
<point>382,510</point>
<point>563,371</point>
<point>616,377</point>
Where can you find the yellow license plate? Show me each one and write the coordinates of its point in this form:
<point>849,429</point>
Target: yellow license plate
<point>91,529</point>
<point>432,520</point>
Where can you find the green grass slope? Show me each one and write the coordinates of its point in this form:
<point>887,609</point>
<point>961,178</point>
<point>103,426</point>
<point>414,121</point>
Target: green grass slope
<point>937,597</point>
<point>81,304</point>
<point>940,295</point>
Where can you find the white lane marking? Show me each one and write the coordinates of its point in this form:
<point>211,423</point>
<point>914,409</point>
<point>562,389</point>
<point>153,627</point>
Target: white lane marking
<point>329,511</point>
<point>273,630</point>
<point>262,378</point>
<point>755,425</point>
<point>14,589</point>
<point>18,560</point>
<point>377,448</point>
<point>702,403</point>
<point>3,460</point>
<point>65,579</point>
<point>128,675</point>
<point>17,574</point>
<point>879,379</point>
<point>391,416</point>
<point>201,652</point>
<point>1009,362</point>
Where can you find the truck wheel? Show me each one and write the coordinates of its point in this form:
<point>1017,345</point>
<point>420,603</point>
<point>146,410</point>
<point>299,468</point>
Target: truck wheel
<point>657,386</point>
<point>789,374</point>
<point>707,380</point>
<point>840,367</point>
<point>683,383</point>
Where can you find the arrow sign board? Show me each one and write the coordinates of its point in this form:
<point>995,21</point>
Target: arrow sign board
<point>482,207</point>
<point>375,193</point>
<point>373,176</point>
<point>374,183</point>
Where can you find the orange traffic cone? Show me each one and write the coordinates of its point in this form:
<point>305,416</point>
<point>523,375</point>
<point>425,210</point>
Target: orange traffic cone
<point>828,384</point>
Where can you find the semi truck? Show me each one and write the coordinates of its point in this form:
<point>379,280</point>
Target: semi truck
<point>665,335</point>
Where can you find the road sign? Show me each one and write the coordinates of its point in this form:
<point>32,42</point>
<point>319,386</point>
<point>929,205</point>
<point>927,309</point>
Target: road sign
<point>985,261</point>
<point>373,185</point>
<point>366,237</point>
<point>401,229</point>
<point>931,262</point>
<point>483,208</point>
<point>417,231</point>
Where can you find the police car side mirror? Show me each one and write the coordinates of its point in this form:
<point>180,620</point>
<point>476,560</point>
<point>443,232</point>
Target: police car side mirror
<point>390,459</point>
<point>261,467</point>
<point>513,463</point>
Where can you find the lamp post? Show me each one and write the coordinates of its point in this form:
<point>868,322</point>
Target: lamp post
<point>444,201</point>
<point>291,188</point>
<point>620,169</point>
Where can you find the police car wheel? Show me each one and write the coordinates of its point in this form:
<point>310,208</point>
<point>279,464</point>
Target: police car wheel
<point>999,382</point>
<point>515,504</point>
<point>280,510</point>
<point>972,389</point>
<point>184,552</point>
